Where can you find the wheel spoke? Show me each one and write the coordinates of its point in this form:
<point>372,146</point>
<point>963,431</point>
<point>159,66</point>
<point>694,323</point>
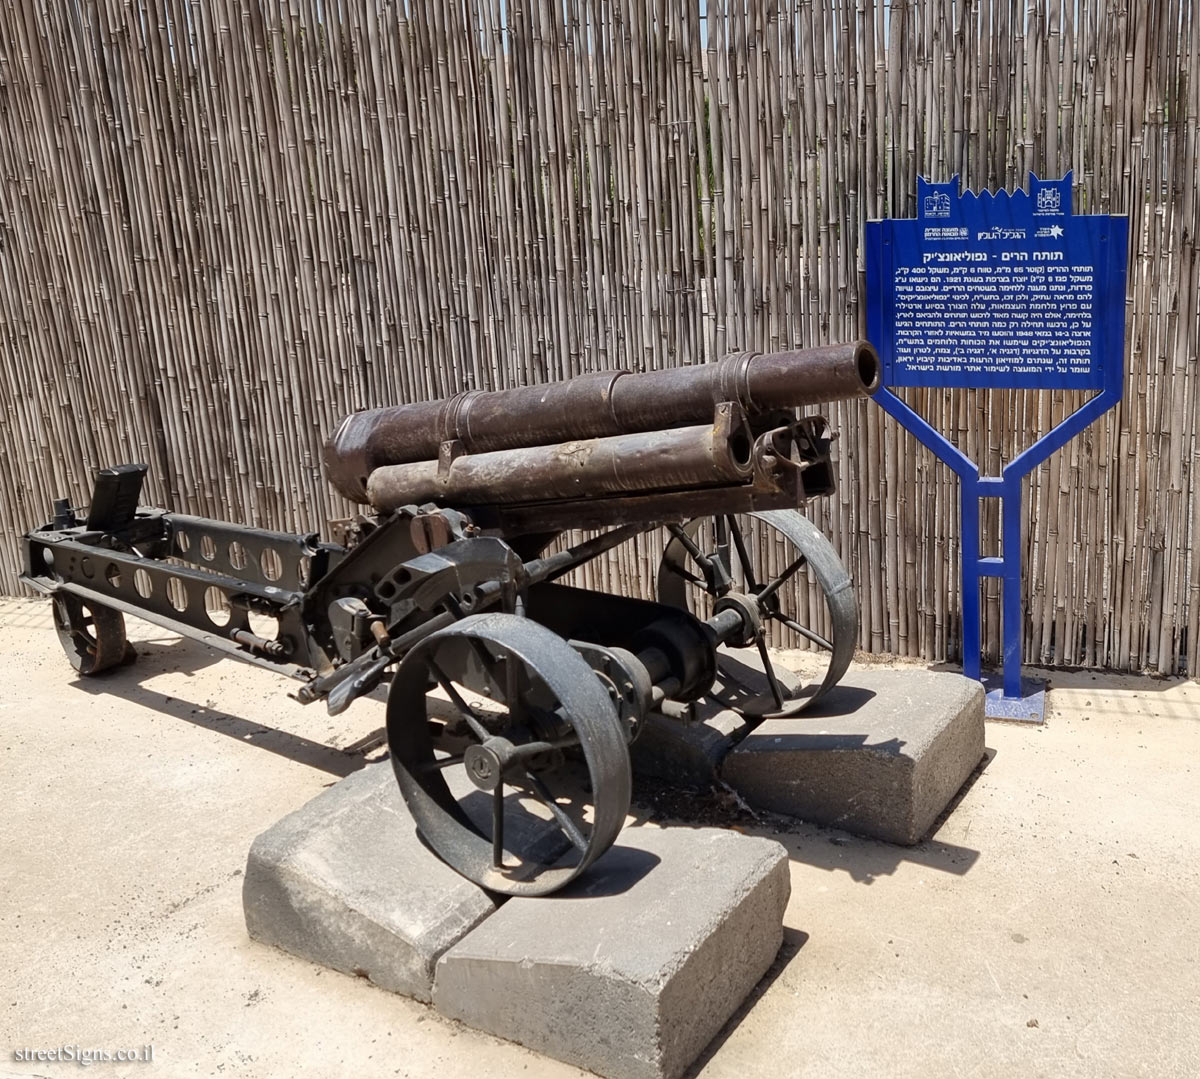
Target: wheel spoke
<point>779,581</point>
<point>739,543</point>
<point>776,688</point>
<point>804,631</point>
<point>721,531</point>
<point>564,821</point>
<point>441,763</point>
<point>689,545</point>
<point>532,749</point>
<point>498,825</point>
<point>473,721</point>
<point>512,690</point>
<point>689,576</point>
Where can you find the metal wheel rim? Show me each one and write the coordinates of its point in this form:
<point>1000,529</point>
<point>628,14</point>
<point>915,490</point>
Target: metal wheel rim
<point>830,575</point>
<point>440,818</point>
<point>92,636</point>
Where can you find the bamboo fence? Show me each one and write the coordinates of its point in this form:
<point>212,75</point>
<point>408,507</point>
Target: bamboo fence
<point>224,225</point>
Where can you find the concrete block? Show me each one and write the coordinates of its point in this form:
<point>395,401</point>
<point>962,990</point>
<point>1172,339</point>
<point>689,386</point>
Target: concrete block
<point>882,755</point>
<point>687,745</point>
<point>630,971</point>
<point>687,752</point>
<point>345,882</point>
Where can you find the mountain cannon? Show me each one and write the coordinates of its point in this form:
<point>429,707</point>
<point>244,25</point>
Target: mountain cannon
<point>513,696</point>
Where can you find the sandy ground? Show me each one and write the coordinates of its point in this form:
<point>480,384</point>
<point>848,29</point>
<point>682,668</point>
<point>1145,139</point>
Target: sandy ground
<point>1051,926</point>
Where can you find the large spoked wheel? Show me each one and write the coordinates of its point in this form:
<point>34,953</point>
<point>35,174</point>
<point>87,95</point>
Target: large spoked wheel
<point>92,636</point>
<point>714,563</point>
<point>523,781</point>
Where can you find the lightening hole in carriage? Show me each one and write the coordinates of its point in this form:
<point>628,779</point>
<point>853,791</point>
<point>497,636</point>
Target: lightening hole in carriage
<point>177,594</point>
<point>237,555</point>
<point>112,574</point>
<point>264,625</point>
<point>385,589</point>
<point>183,542</point>
<point>143,584</point>
<point>87,569</point>
<point>216,606</point>
<point>208,549</point>
<point>272,564</point>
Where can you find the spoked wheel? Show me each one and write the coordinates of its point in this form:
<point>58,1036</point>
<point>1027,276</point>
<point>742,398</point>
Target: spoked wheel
<point>93,636</point>
<point>713,563</point>
<point>527,781</point>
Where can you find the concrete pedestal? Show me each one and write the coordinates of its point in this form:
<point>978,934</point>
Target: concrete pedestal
<point>882,755</point>
<point>630,971</point>
<point>345,882</point>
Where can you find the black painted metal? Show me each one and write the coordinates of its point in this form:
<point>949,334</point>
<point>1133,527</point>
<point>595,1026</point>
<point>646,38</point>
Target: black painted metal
<point>92,636</point>
<point>451,585</point>
<point>516,757</point>
<point>683,580</point>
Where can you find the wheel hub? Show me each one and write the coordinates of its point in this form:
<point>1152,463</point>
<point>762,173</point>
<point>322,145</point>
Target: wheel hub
<point>485,764</point>
<point>749,610</point>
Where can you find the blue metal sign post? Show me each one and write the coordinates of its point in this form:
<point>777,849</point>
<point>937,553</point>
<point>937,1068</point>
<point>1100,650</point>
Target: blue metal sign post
<point>1003,290</point>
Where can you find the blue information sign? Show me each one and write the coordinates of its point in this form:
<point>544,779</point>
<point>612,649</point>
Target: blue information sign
<point>998,290</point>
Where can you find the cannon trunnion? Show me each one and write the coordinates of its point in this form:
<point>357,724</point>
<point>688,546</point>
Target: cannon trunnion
<point>513,696</point>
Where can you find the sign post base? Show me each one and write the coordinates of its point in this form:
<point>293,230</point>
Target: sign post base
<point>1028,707</point>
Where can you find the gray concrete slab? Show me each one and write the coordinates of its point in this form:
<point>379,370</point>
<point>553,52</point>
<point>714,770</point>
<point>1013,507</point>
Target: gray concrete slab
<point>881,756</point>
<point>632,970</point>
<point>345,881</point>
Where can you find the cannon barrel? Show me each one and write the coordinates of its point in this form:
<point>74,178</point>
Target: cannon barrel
<point>622,464</point>
<point>599,405</point>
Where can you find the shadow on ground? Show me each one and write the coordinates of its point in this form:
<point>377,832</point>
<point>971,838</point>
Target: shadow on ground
<point>178,655</point>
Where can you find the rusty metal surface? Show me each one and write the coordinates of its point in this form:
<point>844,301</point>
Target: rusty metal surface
<point>593,406</point>
<point>460,529</point>
<point>686,457</point>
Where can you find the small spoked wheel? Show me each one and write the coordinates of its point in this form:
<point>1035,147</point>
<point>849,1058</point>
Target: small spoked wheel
<point>758,563</point>
<point>92,635</point>
<point>521,781</point>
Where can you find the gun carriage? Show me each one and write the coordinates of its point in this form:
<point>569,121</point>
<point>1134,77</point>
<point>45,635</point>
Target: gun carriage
<point>513,697</point>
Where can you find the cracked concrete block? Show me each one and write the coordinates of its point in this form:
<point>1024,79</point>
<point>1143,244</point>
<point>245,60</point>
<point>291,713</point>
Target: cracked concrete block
<point>882,755</point>
<point>631,970</point>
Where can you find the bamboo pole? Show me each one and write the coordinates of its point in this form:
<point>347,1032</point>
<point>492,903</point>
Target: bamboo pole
<point>224,226</point>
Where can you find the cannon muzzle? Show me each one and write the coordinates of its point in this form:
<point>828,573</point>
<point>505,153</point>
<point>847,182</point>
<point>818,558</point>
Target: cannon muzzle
<point>594,406</point>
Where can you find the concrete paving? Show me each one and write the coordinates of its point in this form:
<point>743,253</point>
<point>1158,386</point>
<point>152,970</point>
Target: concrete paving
<point>881,755</point>
<point>1049,927</point>
<point>631,970</point>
